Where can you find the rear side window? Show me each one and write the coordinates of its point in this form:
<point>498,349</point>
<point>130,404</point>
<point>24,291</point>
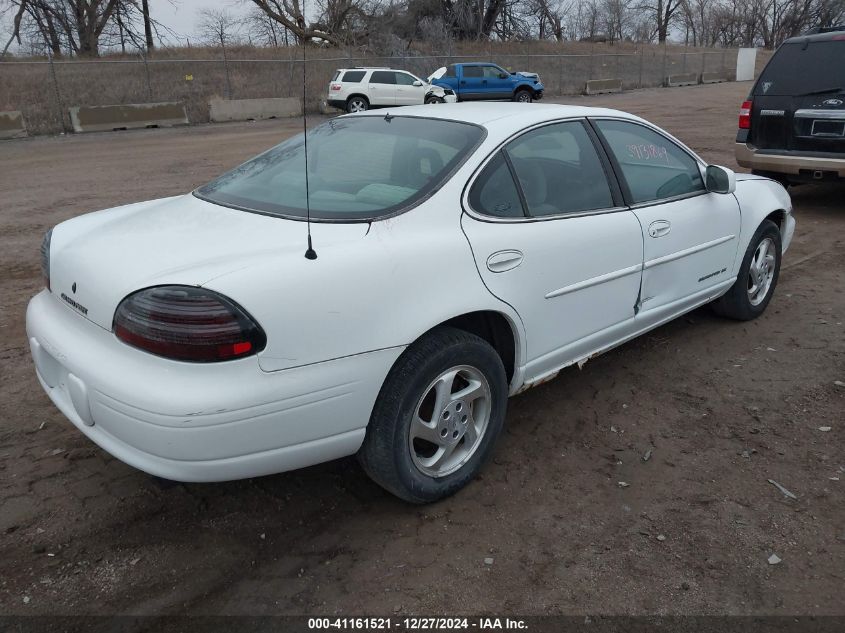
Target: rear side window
<point>473,71</point>
<point>795,70</point>
<point>654,167</point>
<point>495,192</point>
<point>353,76</point>
<point>560,170</point>
<point>383,77</point>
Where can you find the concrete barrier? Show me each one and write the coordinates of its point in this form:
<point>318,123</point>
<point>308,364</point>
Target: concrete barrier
<point>128,116</point>
<point>249,109</point>
<point>602,86</point>
<point>713,78</point>
<point>682,79</point>
<point>11,124</point>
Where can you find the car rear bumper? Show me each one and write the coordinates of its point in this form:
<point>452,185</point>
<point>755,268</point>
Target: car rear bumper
<point>200,422</point>
<point>798,165</point>
<point>337,103</point>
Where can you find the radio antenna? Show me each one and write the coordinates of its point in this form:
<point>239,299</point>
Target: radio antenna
<point>310,253</point>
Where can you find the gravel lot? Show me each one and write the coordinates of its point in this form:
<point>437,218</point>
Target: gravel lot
<point>723,407</point>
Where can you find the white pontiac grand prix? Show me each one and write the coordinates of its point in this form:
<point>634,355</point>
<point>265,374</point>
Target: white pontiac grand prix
<point>464,254</point>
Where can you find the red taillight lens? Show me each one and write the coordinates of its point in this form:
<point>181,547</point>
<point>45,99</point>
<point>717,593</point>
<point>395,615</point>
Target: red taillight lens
<point>187,323</point>
<point>335,86</point>
<point>745,116</point>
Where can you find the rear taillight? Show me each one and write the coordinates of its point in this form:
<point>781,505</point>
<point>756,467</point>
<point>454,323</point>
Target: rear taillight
<point>45,258</point>
<point>745,116</point>
<point>334,87</point>
<point>187,323</point>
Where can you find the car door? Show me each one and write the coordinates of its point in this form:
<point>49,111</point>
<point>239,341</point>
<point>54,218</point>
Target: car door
<point>551,239</point>
<point>406,92</point>
<point>690,235</point>
<point>496,86</point>
<point>381,89</point>
<point>472,83</point>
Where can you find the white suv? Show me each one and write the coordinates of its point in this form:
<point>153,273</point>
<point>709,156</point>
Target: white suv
<point>359,89</point>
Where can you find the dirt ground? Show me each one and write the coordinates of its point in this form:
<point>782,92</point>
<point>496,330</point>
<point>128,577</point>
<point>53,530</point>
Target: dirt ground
<point>723,407</point>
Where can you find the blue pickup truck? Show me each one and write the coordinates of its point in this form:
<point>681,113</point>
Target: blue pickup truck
<point>483,80</point>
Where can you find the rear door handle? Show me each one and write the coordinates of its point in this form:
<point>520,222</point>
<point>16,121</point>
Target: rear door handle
<point>502,261</point>
<point>659,228</point>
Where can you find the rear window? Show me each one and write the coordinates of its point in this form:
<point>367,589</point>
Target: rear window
<point>406,158</point>
<point>795,70</point>
<point>336,75</point>
<point>353,76</point>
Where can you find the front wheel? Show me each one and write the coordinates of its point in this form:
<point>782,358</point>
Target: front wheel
<point>434,100</point>
<point>758,275</point>
<point>523,96</point>
<point>437,416</point>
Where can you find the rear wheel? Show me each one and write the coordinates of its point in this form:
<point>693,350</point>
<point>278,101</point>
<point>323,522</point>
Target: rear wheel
<point>758,275</point>
<point>523,96</point>
<point>357,104</point>
<point>437,416</point>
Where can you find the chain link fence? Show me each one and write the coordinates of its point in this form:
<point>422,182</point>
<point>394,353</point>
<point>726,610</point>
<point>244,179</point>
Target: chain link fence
<point>44,90</point>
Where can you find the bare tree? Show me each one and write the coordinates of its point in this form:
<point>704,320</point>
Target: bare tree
<point>218,27</point>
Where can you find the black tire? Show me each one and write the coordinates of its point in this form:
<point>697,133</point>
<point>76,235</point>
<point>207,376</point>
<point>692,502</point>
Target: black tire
<point>736,302</point>
<point>386,452</point>
<point>357,103</point>
<point>523,95</point>
<point>434,100</point>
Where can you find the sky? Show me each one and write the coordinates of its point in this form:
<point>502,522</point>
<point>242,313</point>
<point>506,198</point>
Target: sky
<point>180,16</point>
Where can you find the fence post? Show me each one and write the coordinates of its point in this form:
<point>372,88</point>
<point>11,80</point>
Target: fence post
<point>642,55</point>
<point>58,92</point>
<point>663,75</point>
<point>590,64</point>
<point>684,65</point>
<point>560,73</point>
<point>703,64</point>
<point>226,67</point>
<point>147,71</point>
<point>722,69</point>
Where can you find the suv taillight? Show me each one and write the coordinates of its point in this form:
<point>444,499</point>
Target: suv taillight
<point>334,87</point>
<point>187,323</point>
<point>745,116</point>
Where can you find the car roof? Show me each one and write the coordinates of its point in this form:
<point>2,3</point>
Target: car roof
<point>515,116</point>
<point>372,68</point>
<point>819,37</point>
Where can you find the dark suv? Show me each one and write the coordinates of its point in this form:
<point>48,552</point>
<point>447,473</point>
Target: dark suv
<point>792,127</point>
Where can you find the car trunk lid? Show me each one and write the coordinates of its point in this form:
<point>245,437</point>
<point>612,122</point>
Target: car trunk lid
<point>99,258</point>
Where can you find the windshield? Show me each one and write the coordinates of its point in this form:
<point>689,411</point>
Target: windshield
<point>359,168</point>
<point>796,71</point>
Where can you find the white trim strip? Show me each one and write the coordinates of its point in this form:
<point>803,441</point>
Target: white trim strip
<point>594,281</point>
<point>687,251</point>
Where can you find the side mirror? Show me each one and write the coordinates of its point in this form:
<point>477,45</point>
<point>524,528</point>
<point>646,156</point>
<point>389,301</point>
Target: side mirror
<point>418,83</point>
<point>503,75</point>
<point>719,179</point>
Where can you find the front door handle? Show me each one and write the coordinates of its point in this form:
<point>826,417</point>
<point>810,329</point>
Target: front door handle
<point>659,228</point>
<point>502,261</point>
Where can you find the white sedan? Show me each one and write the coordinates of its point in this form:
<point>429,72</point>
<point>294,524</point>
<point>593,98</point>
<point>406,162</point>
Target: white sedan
<point>468,253</point>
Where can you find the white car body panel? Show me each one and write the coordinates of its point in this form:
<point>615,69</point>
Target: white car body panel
<point>336,325</point>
